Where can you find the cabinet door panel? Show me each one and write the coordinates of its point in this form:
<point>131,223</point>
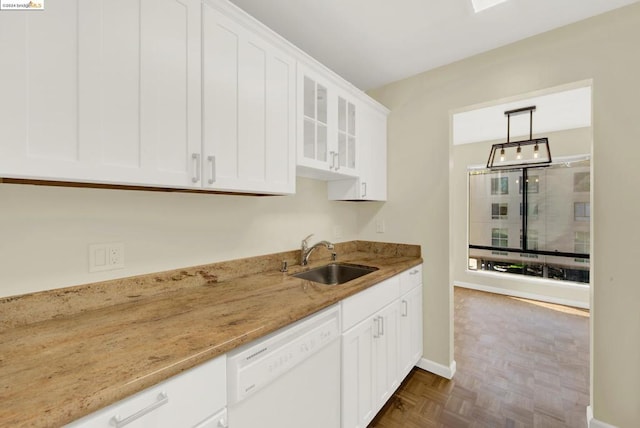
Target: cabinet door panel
<point>386,378</point>
<point>140,90</point>
<point>358,406</point>
<point>252,110</point>
<point>280,131</point>
<point>110,82</point>
<point>410,330</point>
<point>249,103</point>
<point>39,92</point>
<point>221,47</point>
<point>170,87</point>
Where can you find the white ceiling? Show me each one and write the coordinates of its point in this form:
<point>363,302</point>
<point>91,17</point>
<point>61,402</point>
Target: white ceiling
<point>374,42</point>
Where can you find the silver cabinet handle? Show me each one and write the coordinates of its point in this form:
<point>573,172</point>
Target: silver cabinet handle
<point>405,308</point>
<point>162,399</point>
<point>415,271</point>
<point>337,163</point>
<point>376,333</point>
<point>196,160</point>
<point>381,326</point>
<point>364,189</point>
<point>333,159</point>
<point>212,160</point>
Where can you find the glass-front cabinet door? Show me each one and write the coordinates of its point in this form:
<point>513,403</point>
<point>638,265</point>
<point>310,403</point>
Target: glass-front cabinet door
<point>346,153</point>
<point>327,128</point>
<point>315,121</point>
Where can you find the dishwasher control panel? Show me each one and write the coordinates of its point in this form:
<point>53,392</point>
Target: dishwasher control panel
<point>249,369</point>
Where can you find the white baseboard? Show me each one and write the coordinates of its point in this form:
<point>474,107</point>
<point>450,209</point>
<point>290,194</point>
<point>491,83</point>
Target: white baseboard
<point>436,368</point>
<point>594,423</point>
<point>523,295</point>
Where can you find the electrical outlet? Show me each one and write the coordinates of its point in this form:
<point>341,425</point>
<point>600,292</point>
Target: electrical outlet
<point>380,226</point>
<point>337,232</point>
<point>106,256</point>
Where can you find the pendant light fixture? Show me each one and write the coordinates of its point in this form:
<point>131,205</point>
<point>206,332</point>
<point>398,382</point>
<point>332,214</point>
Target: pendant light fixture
<point>527,153</point>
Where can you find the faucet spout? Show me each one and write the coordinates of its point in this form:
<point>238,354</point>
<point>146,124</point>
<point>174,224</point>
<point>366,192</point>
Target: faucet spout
<point>305,250</point>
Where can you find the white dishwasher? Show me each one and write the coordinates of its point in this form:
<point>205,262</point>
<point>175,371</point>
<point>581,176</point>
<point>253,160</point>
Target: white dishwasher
<point>290,378</point>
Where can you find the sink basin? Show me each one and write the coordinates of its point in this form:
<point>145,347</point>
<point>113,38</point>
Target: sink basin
<point>335,273</point>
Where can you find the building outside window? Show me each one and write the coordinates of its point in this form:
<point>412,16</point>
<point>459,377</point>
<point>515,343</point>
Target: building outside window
<point>533,182</point>
<point>532,207</point>
<point>556,221</point>
<point>500,185</point>
<point>582,242</point>
<point>499,211</point>
<point>532,239</point>
<point>582,211</point>
<point>499,237</point>
<point>582,181</point>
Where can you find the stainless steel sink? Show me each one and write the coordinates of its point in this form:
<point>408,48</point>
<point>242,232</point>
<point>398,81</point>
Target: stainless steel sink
<point>335,273</point>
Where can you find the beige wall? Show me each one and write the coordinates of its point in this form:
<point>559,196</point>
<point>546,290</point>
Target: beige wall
<point>604,49</point>
<point>45,231</point>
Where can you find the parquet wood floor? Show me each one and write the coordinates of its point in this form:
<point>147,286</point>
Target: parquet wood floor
<point>520,363</point>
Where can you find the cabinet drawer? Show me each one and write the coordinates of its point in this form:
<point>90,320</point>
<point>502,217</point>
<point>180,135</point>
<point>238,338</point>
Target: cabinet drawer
<point>183,400</point>
<point>358,307</point>
<point>410,278</point>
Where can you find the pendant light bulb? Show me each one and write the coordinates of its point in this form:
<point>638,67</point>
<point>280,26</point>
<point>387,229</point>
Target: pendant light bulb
<point>502,155</point>
<point>535,152</point>
<point>519,153</point>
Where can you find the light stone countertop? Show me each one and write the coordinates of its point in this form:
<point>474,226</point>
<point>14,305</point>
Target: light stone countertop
<point>79,359</point>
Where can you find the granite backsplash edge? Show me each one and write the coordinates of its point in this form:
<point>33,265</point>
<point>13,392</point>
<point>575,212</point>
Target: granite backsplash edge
<point>30,308</point>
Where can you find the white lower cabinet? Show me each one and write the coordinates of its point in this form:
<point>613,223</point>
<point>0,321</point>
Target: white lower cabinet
<point>197,397</point>
<point>410,327</point>
<point>381,342</point>
<point>385,379</point>
<point>357,374</point>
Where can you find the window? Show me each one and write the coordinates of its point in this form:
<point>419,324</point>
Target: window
<point>581,182</point>
<point>532,239</point>
<point>499,211</point>
<point>533,210</point>
<point>533,184</point>
<point>581,242</point>
<point>582,211</point>
<point>557,214</point>
<point>500,237</point>
<point>500,186</point>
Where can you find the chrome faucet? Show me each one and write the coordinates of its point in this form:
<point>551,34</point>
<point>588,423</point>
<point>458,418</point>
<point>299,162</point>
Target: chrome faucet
<point>305,250</point>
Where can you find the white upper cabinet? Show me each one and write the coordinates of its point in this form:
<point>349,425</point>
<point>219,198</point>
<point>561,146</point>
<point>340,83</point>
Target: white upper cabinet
<point>140,90</point>
<point>190,94</point>
<point>371,183</point>
<point>39,111</point>
<point>101,91</point>
<point>248,109</point>
<point>327,137</point>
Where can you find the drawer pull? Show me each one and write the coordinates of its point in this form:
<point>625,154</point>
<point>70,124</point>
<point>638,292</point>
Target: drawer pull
<point>405,308</point>
<point>162,399</point>
<point>382,326</point>
<point>415,271</point>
